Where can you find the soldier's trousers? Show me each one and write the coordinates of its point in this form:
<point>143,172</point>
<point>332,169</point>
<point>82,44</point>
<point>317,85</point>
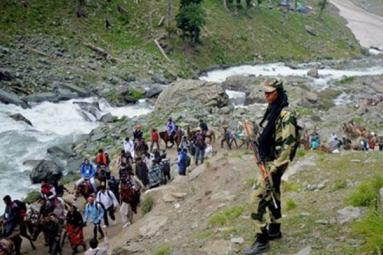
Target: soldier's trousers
<point>264,210</point>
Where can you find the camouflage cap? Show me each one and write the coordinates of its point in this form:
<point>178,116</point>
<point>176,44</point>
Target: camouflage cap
<point>271,85</point>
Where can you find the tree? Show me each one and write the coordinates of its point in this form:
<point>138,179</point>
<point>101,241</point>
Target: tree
<point>190,19</point>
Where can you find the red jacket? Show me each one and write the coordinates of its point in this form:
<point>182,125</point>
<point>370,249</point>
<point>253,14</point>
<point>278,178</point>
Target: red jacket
<point>155,137</point>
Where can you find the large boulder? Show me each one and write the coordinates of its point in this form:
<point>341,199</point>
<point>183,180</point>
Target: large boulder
<point>11,98</point>
<point>61,152</point>
<point>6,75</point>
<point>90,111</point>
<point>41,97</point>
<point>20,117</point>
<point>46,169</point>
<point>256,95</point>
<point>207,93</point>
<point>240,83</point>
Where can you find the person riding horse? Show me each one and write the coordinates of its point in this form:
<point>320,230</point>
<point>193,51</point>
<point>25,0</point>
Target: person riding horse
<point>171,130</point>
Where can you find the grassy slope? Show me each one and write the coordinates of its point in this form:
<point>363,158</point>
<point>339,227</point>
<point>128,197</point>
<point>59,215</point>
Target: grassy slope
<point>259,34</point>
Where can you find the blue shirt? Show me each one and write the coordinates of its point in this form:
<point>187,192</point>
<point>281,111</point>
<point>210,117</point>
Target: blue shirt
<point>95,212</point>
<point>87,171</point>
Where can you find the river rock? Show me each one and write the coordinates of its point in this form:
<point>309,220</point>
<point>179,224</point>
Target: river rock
<point>80,91</point>
<point>20,117</point>
<point>108,118</point>
<point>6,75</point>
<point>348,214</point>
<point>60,152</point>
<point>256,96</point>
<point>159,78</point>
<point>46,169</point>
<point>240,83</point>
<point>151,225</point>
<point>65,94</point>
<point>313,73</point>
<point>41,97</point>
<point>153,91</point>
<point>12,98</point>
<point>176,95</point>
<point>90,111</point>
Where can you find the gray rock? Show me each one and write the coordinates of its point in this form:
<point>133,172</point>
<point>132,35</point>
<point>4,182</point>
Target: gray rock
<point>11,98</point>
<point>4,50</point>
<point>41,97</point>
<point>256,95</point>
<point>310,30</point>
<point>151,225</point>
<point>90,111</point>
<point>240,83</point>
<point>313,73</point>
<point>348,214</point>
<point>131,247</point>
<point>59,152</point>
<point>80,91</point>
<point>159,78</point>
<point>97,134</point>
<point>153,91</point>
<point>237,240</point>
<point>181,91</point>
<point>73,164</point>
<point>65,94</point>
<point>108,118</point>
<point>46,169</point>
<point>20,117</point>
<point>305,251</point>
<point>6,75</point>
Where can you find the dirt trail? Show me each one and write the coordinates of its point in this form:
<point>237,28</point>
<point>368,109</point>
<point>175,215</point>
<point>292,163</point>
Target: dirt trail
<point>367,27</point>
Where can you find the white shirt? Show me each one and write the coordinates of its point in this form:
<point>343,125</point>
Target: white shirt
<point>129,147</point>
<point>107,198</point>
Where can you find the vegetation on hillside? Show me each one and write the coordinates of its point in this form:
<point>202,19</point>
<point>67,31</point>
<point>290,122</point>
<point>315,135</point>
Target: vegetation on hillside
<point>127,30</point>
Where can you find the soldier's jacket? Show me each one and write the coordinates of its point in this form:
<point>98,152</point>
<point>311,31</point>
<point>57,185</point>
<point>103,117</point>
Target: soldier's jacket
<point>285,138</point>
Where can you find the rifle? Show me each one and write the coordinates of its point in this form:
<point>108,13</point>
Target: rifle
<point>264,173</point>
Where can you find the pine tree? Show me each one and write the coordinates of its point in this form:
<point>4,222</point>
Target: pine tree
<point>190,19</point>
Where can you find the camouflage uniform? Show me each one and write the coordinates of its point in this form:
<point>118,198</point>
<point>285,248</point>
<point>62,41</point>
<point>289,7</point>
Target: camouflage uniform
<point>285,138</point>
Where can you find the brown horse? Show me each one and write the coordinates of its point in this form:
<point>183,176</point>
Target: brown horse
<point>84,189</point>
<point>209,134</point>
<point>166,138</point>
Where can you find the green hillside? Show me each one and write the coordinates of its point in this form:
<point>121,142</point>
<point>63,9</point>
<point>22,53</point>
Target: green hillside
<point>260,34</point>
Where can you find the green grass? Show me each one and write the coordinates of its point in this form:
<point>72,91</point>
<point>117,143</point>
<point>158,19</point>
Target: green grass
<point>147,205</point>
<point>367,193</point>
<point>347,79</point>
<point>165,249</point>
<point>371,228</point>
<point>256,35</point>
<point>70,178</point>
<point>339,184</point>
<point>226,216</point>
<point>288,186</point>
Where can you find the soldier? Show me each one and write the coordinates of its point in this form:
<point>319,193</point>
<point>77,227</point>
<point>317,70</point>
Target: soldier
<point>276,147</point>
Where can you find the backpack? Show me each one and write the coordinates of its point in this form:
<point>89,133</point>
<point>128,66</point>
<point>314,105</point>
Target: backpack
<point>21,208</point>
<point>298,136</point>
<point>126,192</point>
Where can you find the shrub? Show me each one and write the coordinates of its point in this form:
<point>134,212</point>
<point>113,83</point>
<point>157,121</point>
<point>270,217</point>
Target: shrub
<point>226,216</point>
<point>165,249</point>
<point>290,204</point>
<point>147,205</point>
<point>366,194</point>
<point>32,197</point>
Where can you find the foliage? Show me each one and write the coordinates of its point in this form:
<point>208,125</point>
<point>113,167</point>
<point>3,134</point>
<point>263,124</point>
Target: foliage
<point>226,216</point>
<point>32,197</point>
<point>347,79</point>
<point>371,228</point>
<point>290,204</point>
<point>165,249</point>
<point>339,184</point>
<point>190,20</point>
<point>147,205</point>
<point>290,186</point>
<point>366,194</point>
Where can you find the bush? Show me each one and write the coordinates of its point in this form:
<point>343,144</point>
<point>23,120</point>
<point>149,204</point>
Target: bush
<point>147,205</point>
<point>371,228</point>
<point>163,250</point>
<point>290,204</point>
<point>32,197</point>
<point>226,216</point>
<point>367,193</point>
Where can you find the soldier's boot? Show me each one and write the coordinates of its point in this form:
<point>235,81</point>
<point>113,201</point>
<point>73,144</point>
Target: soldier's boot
<point>274,231</point>
<point>260,245</point>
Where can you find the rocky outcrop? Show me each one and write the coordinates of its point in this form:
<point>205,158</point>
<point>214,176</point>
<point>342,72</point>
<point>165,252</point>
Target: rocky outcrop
<point>206,93</point>
<point>11,98</point>
<point>20,117</point>
<point>90,111</point>
<point>6,75</point>
<point>60,152</point>
<point>313,73</point>
<point>46,169</point>
<point>256,95</point>
<point>240,83</point>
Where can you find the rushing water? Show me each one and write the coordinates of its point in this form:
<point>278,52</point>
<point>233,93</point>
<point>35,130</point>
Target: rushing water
<point>53,124</point>
<point>281,70</point>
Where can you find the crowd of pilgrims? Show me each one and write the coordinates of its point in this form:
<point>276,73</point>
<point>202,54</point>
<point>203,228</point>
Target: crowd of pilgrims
<point>140,167</point>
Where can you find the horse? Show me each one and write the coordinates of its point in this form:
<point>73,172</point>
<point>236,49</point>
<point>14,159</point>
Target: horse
<point>176,138</point>
<point>84,189</point>
<point>209,134</point>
